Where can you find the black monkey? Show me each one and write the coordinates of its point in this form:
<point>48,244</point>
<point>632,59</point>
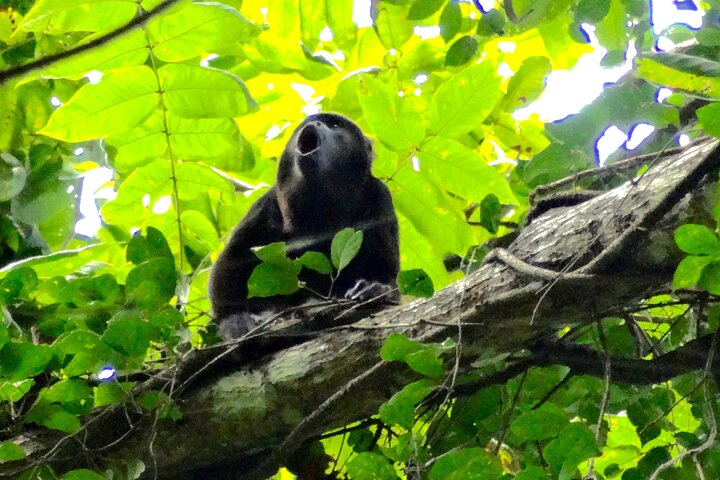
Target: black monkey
<point>323,185</point>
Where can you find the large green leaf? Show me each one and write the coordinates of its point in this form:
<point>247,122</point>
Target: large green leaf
<point>19,361</point>
<point>196,92</point>
<point>393,119</point>
<point>391,24</point>
<point>198,28</point>
<point>126,51</point>
<point>653,71</point>
<point>461,171</point>
<point>464,101</point>
<point>121,101</point>
<point>189,139</point>
<point>573,445</point>
<point>527,84</point>
<point>341,24</point>
<point>431,212</point>
<point>62,16</point>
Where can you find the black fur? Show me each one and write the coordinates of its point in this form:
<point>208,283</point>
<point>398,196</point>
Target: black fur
<point>323,185</point>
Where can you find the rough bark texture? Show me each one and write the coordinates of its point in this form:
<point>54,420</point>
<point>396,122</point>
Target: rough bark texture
<point>236,419</point>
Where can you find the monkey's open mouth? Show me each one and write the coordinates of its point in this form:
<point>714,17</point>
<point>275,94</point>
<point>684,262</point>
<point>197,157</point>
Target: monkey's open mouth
<point>308,141</point>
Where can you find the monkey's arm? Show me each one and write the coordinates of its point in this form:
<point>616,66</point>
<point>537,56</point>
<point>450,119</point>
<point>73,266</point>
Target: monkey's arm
<point>376,266</point>
<point>228,280</point>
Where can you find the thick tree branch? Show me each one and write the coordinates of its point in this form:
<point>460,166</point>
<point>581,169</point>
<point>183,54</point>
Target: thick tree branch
<point>241,413</point>
<point>583,360</point>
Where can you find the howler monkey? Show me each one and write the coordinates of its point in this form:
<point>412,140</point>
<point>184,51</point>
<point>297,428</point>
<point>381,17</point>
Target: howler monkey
<point>323,185</point>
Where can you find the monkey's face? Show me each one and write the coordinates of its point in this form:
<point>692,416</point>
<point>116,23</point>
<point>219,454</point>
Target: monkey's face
<point>329,149</point>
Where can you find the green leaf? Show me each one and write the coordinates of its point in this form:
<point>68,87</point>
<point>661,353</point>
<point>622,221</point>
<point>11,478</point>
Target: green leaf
<point>591,11</point>
<point>82,474</point>
<point>697,240</point>
<point>461,171</point>
<point>424,8</point>
<point>74,395</point>
<point>10,451</point>
<point>312,16</point>
<point>427,208</point>
<point>315,261</point>
<point>195,92</point>
<point>450,21</point>
<point>152,283</point>
<point>425,363</point>
<point>416,283</point>
<point>23,360</point>
<point>74,342</point>
<point>111,393</point>
<point>393,119</point>
<point>689,270</point>
<point>153,245</point>
<point>341,24</point>
<point>397,346</point>
<point>490,212</point>
<point>541,424</point>
<point>277,275</point>
<point>527,84</point>
<point>400,409</point>
<point>464,101</point>
<point>122,100</point>
<point>653,71</point>
<point>491,23</point>
<point>126,51</point>
<point>54,417</point>
<point>692,64</point>
<point>274,253</point>
<point>391,24</point>
<point>573,445</point>
<point>462,51</point>
<point>612,31</point>
<point>710,278</point>
<point>14,391</point>
<point>58,17</point>
<point>532,472</point>
<point>345,245</point>
<point>469,463</point>
<point>709,117</point>
<point>268,279</point>
<point>128,334</point>
<point>59,263</point>
<point>198,28</point>
<point>370,466</point>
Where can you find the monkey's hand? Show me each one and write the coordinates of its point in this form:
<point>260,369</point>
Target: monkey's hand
<point>370,291</point>
<point>239,324</point>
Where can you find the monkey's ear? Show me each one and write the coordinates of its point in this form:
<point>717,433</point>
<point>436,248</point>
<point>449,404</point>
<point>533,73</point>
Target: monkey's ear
<point>369,147</point>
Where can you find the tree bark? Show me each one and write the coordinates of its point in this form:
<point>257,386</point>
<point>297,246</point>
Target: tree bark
<point>572,265</point>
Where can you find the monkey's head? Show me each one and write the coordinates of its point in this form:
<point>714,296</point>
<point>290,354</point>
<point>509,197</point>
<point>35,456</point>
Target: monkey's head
<point>326,149</point>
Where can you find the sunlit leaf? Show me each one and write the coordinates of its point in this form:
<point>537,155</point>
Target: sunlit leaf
<point>196,92</point>
<point>391,118</point>
<point>198,28</point>
<point>122,100</point>
<point>465,100</point>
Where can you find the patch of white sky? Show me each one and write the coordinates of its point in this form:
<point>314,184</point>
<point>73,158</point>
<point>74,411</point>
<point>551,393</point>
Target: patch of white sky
<point>566,92</point>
